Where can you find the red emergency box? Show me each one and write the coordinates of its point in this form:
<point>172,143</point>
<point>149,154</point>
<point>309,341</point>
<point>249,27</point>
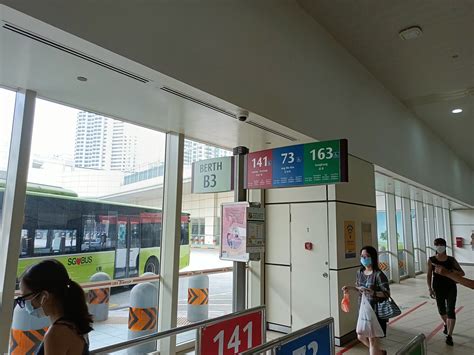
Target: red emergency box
<point>459,242</point>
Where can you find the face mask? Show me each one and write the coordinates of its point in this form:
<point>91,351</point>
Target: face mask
<point>366,261</point>
<point>35,312</point>
<point>440,249</point>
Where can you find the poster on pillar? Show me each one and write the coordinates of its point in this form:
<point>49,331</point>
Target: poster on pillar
<point>350,239</point>
<point>234,232</point>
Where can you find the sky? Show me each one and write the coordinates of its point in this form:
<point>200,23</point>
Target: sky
<point>54,132</point>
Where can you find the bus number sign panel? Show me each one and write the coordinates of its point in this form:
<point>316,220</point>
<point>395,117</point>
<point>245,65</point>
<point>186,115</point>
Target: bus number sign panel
<point>259,170</point>
<point>213,175</point>
<point>319,163</point>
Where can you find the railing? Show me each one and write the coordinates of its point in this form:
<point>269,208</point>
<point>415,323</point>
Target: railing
<point>416,346</point>
<point>276,345</point>
<point>143,279</point>
<point>175,331</point>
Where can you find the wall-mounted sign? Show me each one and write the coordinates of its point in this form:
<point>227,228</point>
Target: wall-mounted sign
<point>318,163</point>
<point>350,239</point>
<point>318,340</point>
<point>233,335</point>
<point>242,231</point>
<point>213,175</point>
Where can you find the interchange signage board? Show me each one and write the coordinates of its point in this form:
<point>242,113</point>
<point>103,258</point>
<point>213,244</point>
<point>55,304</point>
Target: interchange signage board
<point>213,175</point>
<point>318,163</point>
<point>316,341</point>
<point>233,335</point>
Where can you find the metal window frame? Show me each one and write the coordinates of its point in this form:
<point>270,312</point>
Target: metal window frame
<point>14,206</point>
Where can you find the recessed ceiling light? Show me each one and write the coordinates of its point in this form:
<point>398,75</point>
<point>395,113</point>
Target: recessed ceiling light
<point>81,78</point>
<point>457,110</point>
<point>410,33</point>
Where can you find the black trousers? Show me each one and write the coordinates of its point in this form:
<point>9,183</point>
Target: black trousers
<point>446,301</point>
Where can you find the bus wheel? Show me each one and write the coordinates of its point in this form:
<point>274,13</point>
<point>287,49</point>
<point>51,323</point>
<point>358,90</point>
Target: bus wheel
<point>152,265</point>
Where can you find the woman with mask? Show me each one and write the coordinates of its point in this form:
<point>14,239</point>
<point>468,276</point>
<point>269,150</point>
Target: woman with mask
<point>372,282</point>
<point>442,288</point>
<point>47,290</point>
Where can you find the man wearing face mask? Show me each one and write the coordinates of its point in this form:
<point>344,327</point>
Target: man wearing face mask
<point>442,288</point>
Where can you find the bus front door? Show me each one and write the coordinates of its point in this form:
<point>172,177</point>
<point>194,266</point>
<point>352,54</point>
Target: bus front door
<point>128,247</point>
<point>121,253</point>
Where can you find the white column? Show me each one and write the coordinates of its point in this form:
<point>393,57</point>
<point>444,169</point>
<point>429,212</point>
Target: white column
<point>171,236</point>
<point>392,237</point>
<point>447,230</point>
<point>420,234</point>
<point>14,207</point>
<point>407,231</point>
<point>430,233</point>
<point>439,220</point>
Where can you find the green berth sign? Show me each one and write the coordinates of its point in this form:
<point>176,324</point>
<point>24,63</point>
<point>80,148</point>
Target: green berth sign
<point>213,175</point>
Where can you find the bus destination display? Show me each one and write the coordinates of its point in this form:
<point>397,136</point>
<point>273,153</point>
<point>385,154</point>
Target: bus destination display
<point>318,163</point>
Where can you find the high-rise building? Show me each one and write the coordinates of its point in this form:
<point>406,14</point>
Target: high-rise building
<point>104,143</point>
<point>194,151</point>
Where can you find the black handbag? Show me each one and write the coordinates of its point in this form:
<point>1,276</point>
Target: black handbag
<point>387,308</point>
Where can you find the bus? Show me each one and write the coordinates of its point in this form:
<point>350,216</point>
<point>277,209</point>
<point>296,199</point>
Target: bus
<point>89,236</point>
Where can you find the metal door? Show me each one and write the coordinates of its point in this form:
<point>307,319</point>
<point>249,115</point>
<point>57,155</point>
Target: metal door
<point>309,264</point>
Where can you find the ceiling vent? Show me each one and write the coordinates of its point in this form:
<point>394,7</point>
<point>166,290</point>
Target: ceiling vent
<point>73,52</point>
<point>197,101</point>
<point>225,112</point>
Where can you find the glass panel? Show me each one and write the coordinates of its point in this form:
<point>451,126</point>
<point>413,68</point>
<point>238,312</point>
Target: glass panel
<point>94,199</point>
<point>7,107</point>
<point>416,245</point>
<point>400,236</point>
<point>204,213</point>
<point>382,233</point>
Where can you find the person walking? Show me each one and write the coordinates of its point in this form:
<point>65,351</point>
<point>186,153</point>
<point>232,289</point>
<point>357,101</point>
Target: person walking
<point>442,288</point>
<point>47,290</point>
<point>373,283</point>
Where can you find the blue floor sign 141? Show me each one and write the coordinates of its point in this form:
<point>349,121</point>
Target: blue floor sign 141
<point>316,342</point>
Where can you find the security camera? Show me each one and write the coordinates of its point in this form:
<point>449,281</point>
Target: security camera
<point>243,115</point>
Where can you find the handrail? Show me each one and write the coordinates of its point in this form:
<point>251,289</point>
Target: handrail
<point>420,339</point>
<point>285,339</point>
<point>170,332</point>
<point>143,279</point>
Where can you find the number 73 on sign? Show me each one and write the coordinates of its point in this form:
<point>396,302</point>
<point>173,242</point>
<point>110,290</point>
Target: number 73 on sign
<point>310,349</point>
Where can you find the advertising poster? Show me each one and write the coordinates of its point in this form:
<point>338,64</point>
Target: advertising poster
<point>350,239</point>
<point>234,232</point>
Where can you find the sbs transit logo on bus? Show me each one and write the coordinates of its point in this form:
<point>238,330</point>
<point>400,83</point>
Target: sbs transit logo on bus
<point>79,260</point>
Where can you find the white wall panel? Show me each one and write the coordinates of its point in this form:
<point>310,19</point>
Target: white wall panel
<point>277,234</point>
<point>296,194</point>
<point>277,294</point>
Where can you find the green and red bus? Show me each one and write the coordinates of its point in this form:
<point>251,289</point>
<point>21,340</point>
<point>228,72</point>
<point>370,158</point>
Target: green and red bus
<point>90,236</point>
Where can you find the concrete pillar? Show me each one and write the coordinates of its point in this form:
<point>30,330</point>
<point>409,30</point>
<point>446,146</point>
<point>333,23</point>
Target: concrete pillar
<point>171,236</point>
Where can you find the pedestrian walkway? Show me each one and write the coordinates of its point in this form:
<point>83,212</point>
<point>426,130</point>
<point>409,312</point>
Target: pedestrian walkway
<point>420,315</point>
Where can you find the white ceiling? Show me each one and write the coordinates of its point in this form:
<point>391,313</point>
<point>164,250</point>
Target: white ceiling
<point>27,63</point>
<point>432,74</point>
